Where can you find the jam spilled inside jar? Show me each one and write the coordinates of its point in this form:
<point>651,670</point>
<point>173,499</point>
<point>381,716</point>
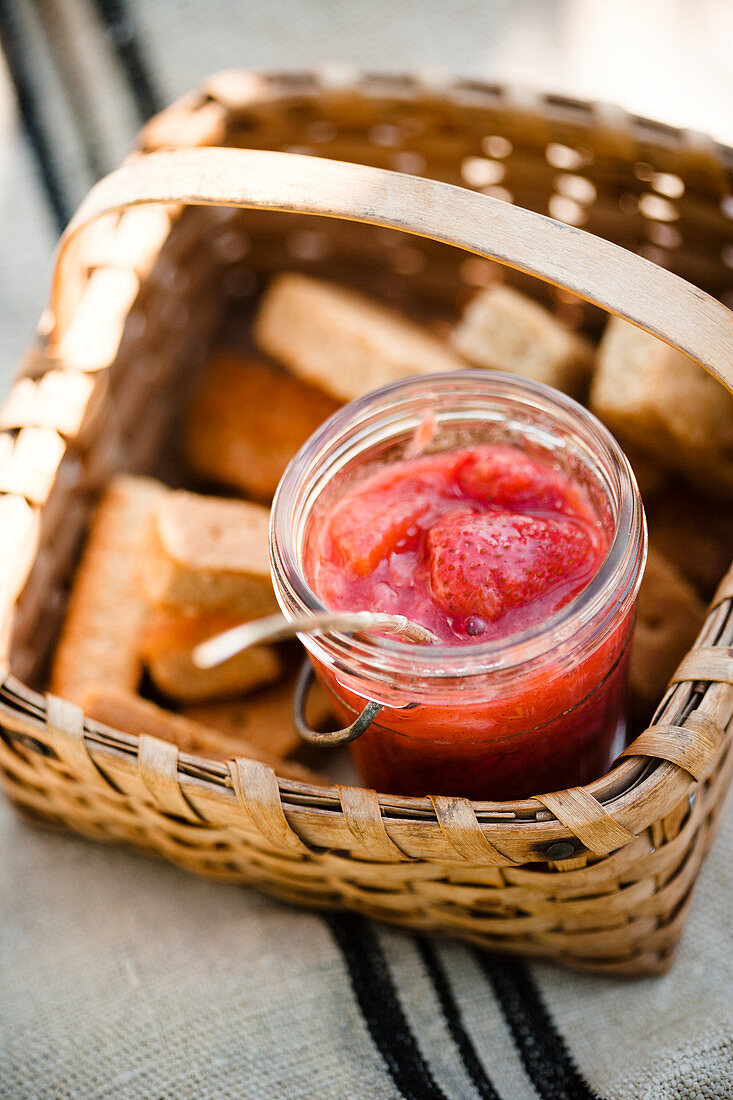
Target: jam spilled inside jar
<point>519,541</point>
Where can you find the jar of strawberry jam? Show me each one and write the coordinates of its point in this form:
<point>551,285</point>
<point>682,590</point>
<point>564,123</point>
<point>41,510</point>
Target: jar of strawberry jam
<point>502,516</point>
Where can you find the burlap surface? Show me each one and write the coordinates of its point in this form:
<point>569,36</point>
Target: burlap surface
<point>125,978</point>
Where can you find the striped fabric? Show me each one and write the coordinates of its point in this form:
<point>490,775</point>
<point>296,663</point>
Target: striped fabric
<point>128,979</point>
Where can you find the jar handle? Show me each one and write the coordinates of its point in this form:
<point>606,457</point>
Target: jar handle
<point>619,281</point>
<point>331,738</point>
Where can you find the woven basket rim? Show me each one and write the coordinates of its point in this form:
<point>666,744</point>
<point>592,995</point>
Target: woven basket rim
<point>14,693</point>
<point>518,94</point>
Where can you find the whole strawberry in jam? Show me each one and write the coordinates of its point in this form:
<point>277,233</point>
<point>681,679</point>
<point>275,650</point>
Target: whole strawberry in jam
<point>476,543</point>
<point>483,565</point>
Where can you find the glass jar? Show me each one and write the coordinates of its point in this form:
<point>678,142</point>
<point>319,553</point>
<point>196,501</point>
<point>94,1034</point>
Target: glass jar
<point>538,711</point>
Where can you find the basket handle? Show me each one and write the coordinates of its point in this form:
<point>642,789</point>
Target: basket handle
<point>595,269</point>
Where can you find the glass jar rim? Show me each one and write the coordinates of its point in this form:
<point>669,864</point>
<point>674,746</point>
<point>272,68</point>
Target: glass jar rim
<point>612,590</point>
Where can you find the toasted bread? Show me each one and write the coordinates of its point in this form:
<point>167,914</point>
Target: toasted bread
<point>341,342</point>
<point>107,612</point>
<point>166,650</point>
<point>264,718</point>
<point>659,399</point>
<point>694,534</point>
<point>669,617</point>
<point>208,554</point>
<point>651,477</point>
<point>247,421</point>
<point>505,330</point>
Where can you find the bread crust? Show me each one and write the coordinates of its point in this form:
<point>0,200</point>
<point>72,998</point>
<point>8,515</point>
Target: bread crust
<point>106,614</point>
<point>503,329</point>
<point>666,404</point>
<point>669,617</point>
<point>342,342</point>
<point>247,421</point>
<point>264,718</point>
<point>694,534</point>
<point>208,554</point>
<point>167,652</point>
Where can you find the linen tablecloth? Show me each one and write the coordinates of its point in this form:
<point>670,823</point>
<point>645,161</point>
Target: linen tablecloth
<point>123,977</point>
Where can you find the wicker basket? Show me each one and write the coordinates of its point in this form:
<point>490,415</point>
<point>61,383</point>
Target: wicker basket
<point>597,877</point>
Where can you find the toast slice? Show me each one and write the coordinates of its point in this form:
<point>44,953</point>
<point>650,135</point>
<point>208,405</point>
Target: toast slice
<point>669,617</point>
<point>264,718</point>
<point>659,399</point>
<point>694,534</point>
<point>106,614</point>
<point>341,342</point>
<point>130,713</point>
<point>505,330</point>
<point>247,421</point>
<point>166,649</point>
<point>208,554</point>
<point>651,477</point>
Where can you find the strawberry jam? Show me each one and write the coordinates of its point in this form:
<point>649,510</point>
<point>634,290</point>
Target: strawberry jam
<point>479,545</point>
<point>520,544</point>
<point>474,544</point>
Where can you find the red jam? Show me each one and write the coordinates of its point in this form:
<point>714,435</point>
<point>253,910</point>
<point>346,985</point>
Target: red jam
<point>479,545</point>
<point>475,544</point>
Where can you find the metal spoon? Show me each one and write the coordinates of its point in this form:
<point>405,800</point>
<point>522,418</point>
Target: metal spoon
<point>214,651</point>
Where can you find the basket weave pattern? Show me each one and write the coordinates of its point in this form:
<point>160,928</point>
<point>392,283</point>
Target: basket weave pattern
<point>597,877</point>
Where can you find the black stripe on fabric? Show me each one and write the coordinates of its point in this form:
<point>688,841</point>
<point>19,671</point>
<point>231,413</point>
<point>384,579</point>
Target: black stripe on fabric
<point>17,57</point>
<point>65,49</point>
<point>541,1047</point>
<point>131,55</point>
<point>377,997</point>
<point>454,1021</point>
